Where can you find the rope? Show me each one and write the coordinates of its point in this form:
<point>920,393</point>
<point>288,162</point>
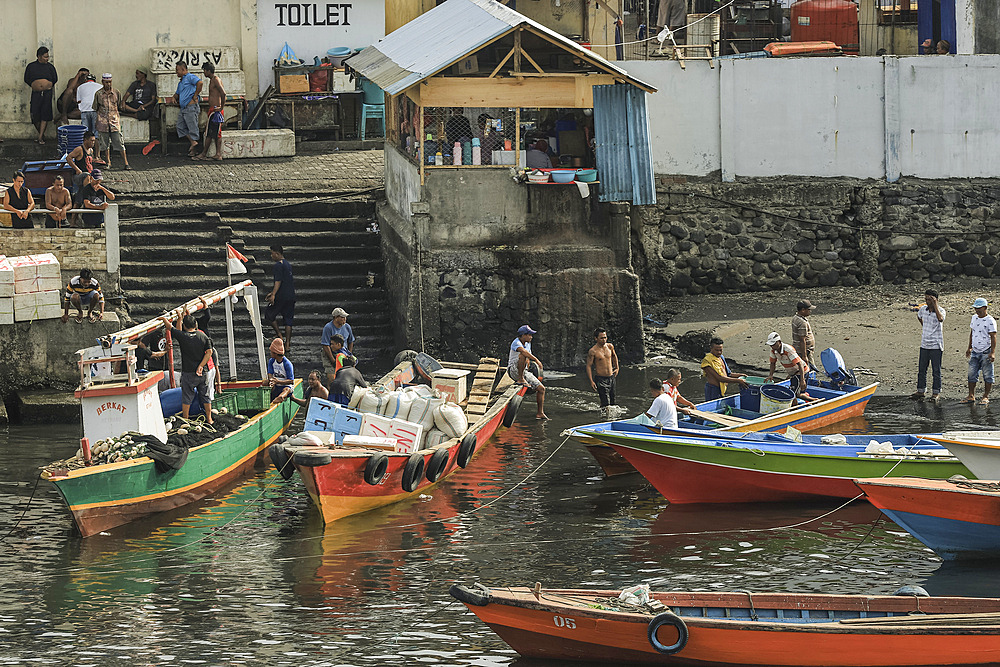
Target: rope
<point>975,485</point>
<point>24,511</point>
<point>669,32</point>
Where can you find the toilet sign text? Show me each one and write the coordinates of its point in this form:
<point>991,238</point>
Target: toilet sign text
<point>313,13</point>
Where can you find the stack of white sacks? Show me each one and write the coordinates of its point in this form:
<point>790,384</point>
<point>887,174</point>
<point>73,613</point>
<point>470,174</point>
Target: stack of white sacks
<point>30,288</point>
<point>405,420</point>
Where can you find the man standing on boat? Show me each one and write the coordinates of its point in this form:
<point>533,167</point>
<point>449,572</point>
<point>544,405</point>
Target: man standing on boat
<point>663,411</point>
<point>715,370</point>
<point>790,361</point>
<point>931,317</point>
<point>517,367</point>
<point>602,369</point>
<point>196,352</point>
<point>803,339</point>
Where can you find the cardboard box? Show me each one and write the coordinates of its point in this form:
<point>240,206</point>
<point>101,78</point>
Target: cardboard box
<point>321,415</point>
<point>37,306</point>
<point>6,310</point>
<point>452,383</point>
<point>341,82</point>
<point>466,66</point>
<point>408,436</point>
<point>6,278</point>
<point>376,426</point>
<point>36,273</point>
<point>293,83</point>
<point>386,444</point>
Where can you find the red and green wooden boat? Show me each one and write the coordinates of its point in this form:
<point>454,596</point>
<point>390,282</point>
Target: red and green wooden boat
<point>742,628</point>
<point>958,519</point>
<point>769,467</point>
<point>103,496</point>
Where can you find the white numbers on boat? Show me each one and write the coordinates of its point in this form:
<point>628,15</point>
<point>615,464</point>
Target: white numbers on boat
<point>561,622</point>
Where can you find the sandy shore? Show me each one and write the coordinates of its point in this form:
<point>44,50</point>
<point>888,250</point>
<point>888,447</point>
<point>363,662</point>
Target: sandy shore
<point>874,327</point>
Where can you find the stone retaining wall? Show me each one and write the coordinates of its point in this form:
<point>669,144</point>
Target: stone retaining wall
<point>764,234</point>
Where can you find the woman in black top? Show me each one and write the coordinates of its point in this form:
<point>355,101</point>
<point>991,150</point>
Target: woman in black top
<point>18,200</point>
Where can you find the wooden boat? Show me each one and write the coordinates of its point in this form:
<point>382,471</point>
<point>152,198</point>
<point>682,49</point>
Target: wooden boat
<point>978,450</point>
<point>339,487</point>
<point>958,519</point>
<point>741,628</point>
<point>760,468</point>
<point>834,405</point>
<point>101,497</point>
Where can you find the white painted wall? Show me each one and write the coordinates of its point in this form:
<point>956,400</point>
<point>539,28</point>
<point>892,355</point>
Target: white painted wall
<point>351,23</point>
<point>923,116</point>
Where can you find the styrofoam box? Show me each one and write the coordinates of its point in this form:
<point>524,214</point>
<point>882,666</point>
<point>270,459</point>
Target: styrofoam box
<point>6,310</point>
<point>387,444</point>
<point>37,306</point>
<point>452,383</point>
<point>321,415</point>
<point>6,278</point>
<point>36,273</point>
<point>408,435</point>
<point>376,426</point>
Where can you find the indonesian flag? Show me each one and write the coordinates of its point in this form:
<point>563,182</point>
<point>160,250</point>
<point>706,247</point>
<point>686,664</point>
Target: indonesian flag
<point>235,261</point>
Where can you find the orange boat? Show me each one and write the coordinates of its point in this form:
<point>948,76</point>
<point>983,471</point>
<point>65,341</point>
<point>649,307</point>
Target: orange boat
<point>742,628</point>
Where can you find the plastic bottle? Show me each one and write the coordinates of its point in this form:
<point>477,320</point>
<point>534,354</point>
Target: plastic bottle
<point>477,152</point>
<point>438,159</point>
<point>466,152</point>
<point>456,153</point>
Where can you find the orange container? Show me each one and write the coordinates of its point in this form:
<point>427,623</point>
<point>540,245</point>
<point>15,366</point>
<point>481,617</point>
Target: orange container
<point>826,20</point>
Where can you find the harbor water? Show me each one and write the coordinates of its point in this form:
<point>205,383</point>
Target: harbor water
<point>253,577</point>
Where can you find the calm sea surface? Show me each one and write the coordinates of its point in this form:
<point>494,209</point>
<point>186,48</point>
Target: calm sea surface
<point>253,576</point>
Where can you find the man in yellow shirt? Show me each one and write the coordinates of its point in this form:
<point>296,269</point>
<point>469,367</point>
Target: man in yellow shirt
<point>715,370</point>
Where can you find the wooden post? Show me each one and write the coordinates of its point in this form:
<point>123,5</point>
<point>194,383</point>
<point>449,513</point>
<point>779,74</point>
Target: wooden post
<point>170,355</point>
<point>517,52</point>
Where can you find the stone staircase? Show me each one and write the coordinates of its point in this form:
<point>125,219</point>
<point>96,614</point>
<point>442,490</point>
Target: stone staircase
<point>336,260</point>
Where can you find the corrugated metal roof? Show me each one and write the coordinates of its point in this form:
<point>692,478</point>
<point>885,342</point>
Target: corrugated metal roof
<point>624,159</point>
<point>432,41</point>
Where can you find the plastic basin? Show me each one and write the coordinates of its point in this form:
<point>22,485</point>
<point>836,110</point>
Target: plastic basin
<point>586,175</point>
<point>338,54</point>
<point>563,175</point>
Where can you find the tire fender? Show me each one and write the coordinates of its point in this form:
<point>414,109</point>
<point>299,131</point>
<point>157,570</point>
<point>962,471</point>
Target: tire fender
<point>466,449</point>
<point>510,412</point>
<point>667,618</point>
<point>437,463</point>
<point>279,457</point>
<point>311,458</point>
<point>376,468</point>
<point>413,472</point>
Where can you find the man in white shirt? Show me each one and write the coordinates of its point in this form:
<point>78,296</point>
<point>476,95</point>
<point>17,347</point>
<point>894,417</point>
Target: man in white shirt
<point>982,351</point>
<point>85,100</point>
<point>790,361</point>
<point>663,411</point>
<point>931,317</point>
<point>520,362</point>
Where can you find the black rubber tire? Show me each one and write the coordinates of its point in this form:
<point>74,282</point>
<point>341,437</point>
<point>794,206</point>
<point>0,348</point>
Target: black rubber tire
<point>279,457</point>
<point>311,458</point>
<point>469,596</point>
<point>405,355</point>
<point>413,472</point>
<point>510,412</point>
<point>376,468</point>
<point>436,464</point>
<point>465,450</point>
<point>667,618</point>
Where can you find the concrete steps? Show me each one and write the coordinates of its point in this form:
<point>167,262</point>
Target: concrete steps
<point>336,260</point>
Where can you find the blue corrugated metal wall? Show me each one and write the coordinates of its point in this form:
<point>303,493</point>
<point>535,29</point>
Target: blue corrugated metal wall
<point>621,134</point>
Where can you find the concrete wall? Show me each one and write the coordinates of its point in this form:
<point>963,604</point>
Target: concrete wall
<point>402,182</point>
<point>921,116</point>
<point>112,36</point>
<point>987,27</point>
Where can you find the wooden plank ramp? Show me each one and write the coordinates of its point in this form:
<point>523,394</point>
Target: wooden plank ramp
<point>481,388</point>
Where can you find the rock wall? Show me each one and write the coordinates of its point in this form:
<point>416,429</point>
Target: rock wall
<point>765,234</point>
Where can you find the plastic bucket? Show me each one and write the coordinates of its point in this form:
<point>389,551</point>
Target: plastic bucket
<point>750,397</point>
<point>338,54</point>
<point>774,398</point>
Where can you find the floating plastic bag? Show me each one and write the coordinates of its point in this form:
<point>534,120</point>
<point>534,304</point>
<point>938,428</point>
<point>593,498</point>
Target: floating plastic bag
<point>637,595</point>
<point>834,439</point>
<point>876,447</point>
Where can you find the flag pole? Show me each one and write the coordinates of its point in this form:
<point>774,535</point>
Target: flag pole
<point>229,322</point>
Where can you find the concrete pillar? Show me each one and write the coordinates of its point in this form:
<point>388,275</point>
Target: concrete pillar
<point>621,234</point>
<point>112,243</point>
<point>43,22</point>
<point>965,27</point>
<point>890,83</point>
<point>248,46</point>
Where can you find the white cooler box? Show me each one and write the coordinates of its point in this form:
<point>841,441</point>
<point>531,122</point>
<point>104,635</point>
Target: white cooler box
<point>36,273</point>
<point>452,383</point>
<point>37,306</point>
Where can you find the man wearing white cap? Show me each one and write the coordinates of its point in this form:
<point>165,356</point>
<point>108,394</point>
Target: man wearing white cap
<point>790,360</point>
<point>338,325</point>
<point>982,351</point>
<point>107,101</point>
<point>519,370</point>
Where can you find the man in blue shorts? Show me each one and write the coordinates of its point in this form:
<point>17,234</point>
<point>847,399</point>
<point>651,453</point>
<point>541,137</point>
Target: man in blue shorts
<point>519,370</point>
<point>83,292</point>
<point>282,296</point>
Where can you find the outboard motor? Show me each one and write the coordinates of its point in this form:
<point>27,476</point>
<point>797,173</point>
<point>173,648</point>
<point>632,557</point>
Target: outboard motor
<point>835,367</point>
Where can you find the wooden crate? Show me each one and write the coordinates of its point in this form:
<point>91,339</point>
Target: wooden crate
<point>293,83</point>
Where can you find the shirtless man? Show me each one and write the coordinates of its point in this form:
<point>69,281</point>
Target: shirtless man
<point>602,368</point>
<point>58,202</point>
<point>66,104</point>
<point>216,98</point>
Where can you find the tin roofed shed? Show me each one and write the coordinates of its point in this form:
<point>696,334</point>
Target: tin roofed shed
<point>474,74</point>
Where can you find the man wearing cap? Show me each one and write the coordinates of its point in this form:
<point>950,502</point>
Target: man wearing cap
<point>109,123</point>
<point>140,98</point>
<point>931,317</point>
<point>803,339</point>
<point>715,370</point>
<point>790,360</point>
<point>95,197</point>
<point>982,351</point>
<point>280,372</point>
<point>338,325</point>
<point>187,98</point>
<point>519,370</point>
<point>85,93</point>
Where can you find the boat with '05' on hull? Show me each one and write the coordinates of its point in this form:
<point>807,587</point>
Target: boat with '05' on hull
<point>412,428</point>
<point>137,456</point>
<point>741,628</point>
<point>835,399</point>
